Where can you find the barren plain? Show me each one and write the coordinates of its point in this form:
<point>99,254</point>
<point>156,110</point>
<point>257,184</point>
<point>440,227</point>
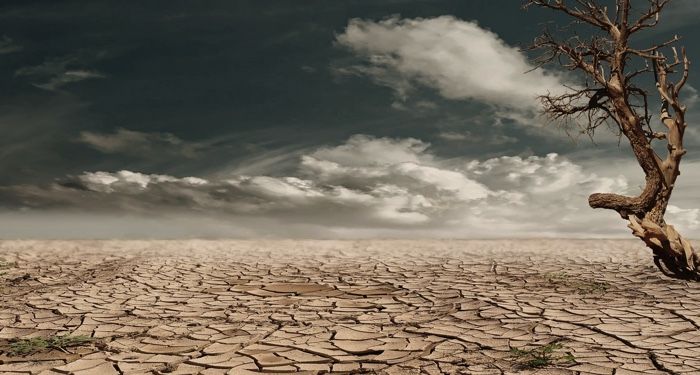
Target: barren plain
<point>385,307</point>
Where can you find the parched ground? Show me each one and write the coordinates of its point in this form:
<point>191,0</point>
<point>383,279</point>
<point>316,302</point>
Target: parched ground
<point>386,307</point>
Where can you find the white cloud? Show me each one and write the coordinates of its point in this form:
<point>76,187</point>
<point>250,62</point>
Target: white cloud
<point>470,137</point>
<point>458,58</point>
<point>354,189</point>
<point>130,142</point>
<point>543,175</point>
<point>546,195</point>
<point>365,161</point>
<point>110,182</point>
<point>362,150</point>
<point>684,219</point>
<point>690,96</point>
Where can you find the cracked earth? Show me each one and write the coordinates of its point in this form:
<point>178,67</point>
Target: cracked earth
<point>385,307</point>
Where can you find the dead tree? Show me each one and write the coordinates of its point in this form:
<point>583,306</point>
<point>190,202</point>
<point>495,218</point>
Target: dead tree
<point>613,93</point>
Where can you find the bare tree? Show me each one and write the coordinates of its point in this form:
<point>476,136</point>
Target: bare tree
<point>613,93</point>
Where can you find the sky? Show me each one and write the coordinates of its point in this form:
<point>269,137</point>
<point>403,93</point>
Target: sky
<point>304,119</point>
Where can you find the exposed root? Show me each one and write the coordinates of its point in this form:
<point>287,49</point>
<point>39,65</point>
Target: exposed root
<point>673,254</point>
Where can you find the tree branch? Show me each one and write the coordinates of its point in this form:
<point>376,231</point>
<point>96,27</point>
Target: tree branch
<point>593,15</point>
<point>651,17</point>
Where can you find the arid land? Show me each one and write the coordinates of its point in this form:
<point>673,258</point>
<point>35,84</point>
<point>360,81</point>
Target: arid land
<point>385,307</point>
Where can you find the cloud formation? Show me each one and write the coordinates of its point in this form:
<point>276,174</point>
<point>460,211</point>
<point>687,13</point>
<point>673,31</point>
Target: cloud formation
<point>69,76</point>
<point>471,137</point>
<point>458,58</point>
<point>8,45</point>
<point>136,143</point>
<point>366,186</point>
<point>57,72</point>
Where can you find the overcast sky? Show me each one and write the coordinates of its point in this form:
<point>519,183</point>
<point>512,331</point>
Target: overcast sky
<point>299,118</point>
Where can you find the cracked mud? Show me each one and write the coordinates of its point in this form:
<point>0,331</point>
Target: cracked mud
<point>386,307</point>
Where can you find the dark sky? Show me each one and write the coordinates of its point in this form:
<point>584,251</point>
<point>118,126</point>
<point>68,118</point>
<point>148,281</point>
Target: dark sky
<point>222,89</point>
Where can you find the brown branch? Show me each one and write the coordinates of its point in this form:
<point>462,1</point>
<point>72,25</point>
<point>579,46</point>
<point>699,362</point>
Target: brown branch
<point>586,56</point>
<point>650,53</point>
<point>674,124</point>
<point>650,18</point>
<point>593,15</point>
<point>686,71</point>
<point>625,205</point>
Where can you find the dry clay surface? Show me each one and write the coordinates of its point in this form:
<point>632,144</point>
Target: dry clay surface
<point>385,307</point>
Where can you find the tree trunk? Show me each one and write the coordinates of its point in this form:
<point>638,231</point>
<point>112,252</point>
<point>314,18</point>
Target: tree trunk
<point>610,95</point>
<point>673,254</point>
